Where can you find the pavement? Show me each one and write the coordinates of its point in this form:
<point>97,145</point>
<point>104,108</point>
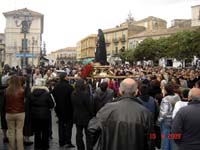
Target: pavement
<point>54,145</point>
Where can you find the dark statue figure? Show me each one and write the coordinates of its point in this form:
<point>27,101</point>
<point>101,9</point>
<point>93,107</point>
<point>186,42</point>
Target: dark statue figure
<point>100,54</point>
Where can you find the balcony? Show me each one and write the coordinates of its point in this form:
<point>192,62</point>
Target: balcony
<point>115,40</point>
<point>2,47</point>
<point>107,41</point>
<point>123,39</point>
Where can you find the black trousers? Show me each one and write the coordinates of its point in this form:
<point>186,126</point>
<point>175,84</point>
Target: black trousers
<point>41,132</point>
<point>79,137</point>
<point>65,132</point>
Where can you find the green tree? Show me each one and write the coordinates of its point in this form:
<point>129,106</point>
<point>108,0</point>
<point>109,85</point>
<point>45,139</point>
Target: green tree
<point>149,49</point>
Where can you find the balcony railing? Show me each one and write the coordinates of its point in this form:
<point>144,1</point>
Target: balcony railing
<point>123,39</point>
<point>107,41</point>
<point>115,40</point>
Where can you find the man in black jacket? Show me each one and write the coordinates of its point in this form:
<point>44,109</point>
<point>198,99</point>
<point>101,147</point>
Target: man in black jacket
<point>62,95</point>
<point>186,124</point>
<point>123,125</point>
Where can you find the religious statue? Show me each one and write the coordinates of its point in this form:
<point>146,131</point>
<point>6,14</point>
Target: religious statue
<point>100,53</point>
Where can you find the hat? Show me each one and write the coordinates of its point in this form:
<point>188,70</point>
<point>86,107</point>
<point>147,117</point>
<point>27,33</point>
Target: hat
<point>63,75</point>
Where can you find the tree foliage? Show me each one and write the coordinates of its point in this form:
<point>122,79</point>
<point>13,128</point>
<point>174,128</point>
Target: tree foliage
<point>182,45</point>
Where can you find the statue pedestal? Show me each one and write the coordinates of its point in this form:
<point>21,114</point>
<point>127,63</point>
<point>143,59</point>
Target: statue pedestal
<point>101,71</point>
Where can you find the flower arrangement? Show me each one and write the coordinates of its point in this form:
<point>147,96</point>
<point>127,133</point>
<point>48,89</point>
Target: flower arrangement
<point>87,70</point>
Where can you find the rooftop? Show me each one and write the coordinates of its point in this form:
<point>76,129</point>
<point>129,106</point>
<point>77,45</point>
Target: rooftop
<point>150,33</point>
<point>21,11</point>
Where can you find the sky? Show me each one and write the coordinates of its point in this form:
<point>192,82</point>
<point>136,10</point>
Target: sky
<point>68,21</point>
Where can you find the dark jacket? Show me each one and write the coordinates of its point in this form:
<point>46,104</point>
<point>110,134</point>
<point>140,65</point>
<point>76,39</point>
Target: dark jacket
<point>82,106</point>
<point>40,103</point>
<point>2,98</point>
<point>101,98</point>
<point>62,94</point>
<point>187,123</point>
<point>124,125</point>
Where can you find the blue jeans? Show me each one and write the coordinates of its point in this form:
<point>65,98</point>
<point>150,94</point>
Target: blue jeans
<point>167,143</point>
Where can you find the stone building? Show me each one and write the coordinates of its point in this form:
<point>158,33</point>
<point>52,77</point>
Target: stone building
<point>116,39</point>
<point>14,38</point>
<point>2,49</point>
<point>78,51</point>
<point>87,47</point>
<point>196,15</point>
<point>155,34</point>
<point>152,23</point>
<point>64,56</point>
<point>181,23</point>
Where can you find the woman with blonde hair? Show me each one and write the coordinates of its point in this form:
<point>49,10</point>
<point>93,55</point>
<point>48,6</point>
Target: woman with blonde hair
<point>15,112</point>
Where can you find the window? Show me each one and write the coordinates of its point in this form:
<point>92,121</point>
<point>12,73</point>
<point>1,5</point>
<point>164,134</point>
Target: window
<point>199,14</point>
<point>115,36</point>
<point>116,50</point>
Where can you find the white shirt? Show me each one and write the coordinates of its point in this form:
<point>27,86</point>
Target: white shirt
<point>178,106</point>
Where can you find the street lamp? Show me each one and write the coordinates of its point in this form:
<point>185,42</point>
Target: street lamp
<point>34,42</point>
<point>26,19</point>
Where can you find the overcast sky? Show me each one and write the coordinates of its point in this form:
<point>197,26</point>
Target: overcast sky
<point>68,21</point>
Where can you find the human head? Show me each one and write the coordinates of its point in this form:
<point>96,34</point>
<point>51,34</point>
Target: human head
<point>185,92</point>
<point>197,84</point>
<point>169,88</point>
<point>63,76</point>
<point>128,87</point>
<point>80,85</point>
<point>103,86</point>
<point>14,85</point>
<point>194,94</point>
<point>144,89</point>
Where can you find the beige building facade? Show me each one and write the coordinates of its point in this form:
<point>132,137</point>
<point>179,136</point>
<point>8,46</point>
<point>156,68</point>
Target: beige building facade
<point>152,23</point>
<point>2,49</point>
<point>116,39</point>
<point>87,47</point>
<point>13,37</point>
<point>63,56</point>
<point>196,15</point>
<point>78,51</point>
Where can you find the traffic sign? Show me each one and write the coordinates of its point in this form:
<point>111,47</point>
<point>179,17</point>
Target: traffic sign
<point>29,55</point>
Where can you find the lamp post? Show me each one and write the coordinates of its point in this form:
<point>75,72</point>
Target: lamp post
<point>33,43</point>
<point>26,18</point>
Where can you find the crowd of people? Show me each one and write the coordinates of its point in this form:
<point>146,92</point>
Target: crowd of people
<point>149,108</point>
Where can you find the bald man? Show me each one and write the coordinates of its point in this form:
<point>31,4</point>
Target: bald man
<point>186,124</point>
<point>123,125</point>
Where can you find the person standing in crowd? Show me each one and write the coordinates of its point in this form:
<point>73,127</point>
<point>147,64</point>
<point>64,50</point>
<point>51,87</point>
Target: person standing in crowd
<point>150,103</point>
<point>186,124</point>
<point>62,95</point>
<point>36,75</point>
<point>15,112</point>
<point>40,103</point>
<point>83,112</point>
<point>182,103</point>
<point>4,127</point>
<point>102,95</point>
<point>123,125</point>
<point>48,76</point>
<point>27,130</point>
<point>165,115</point>
<point>192,80</point>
